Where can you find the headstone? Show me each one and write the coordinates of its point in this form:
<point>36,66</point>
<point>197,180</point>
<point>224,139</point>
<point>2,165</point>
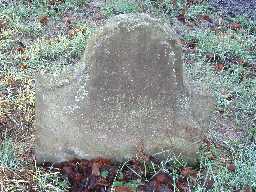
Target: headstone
<point>126,96</point>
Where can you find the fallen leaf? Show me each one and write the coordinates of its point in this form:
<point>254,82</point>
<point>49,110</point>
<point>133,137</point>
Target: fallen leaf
<point>206,18</point>
<point>67,21</point>
<point>148,186</point>
<point>3,119</point>
<point>102,162</point>
<point>77,178</point>
<point>182,185</point>
<point>20,49</point>
<point>209,184</point>
<point>223,159</point>
<point>44,20</point>
<point>191,2</point>
<point>55,2</point>
<point>231,167</point>
<point>181,18</point>
<point>67,170</point>
<point>122,189</point>
<point>235,26</point>
<point>241,61</point>
<point>3,25</point>
<point>162,179</point>
<point>98,16</point>
<point>219,66</point>
<point>208,143</point>
<point>187,171</point>
<point>23,66</point>
<point>154,160</point>
<point>73,32</point>
<point>247,189</point>
<point>212,157</point>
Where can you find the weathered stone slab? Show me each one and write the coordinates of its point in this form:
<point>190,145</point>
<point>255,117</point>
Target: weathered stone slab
<point>127,95</point>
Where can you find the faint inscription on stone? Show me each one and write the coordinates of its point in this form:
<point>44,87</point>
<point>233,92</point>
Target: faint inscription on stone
<point>126,94</point>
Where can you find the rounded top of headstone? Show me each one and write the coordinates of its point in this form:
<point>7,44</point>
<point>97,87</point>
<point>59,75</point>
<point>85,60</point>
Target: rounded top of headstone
<point>130,22</point>
<point>134,20</point>
<point>119,23</point>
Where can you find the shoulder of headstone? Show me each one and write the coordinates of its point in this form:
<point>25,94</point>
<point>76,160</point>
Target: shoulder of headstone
<point>46,80</point>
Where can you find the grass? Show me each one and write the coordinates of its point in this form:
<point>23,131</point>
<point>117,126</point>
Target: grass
<point>119,7</point>
<point>50,181</point>
<point>8,156</point>
<point>233,172</point>
<point>50,35</point>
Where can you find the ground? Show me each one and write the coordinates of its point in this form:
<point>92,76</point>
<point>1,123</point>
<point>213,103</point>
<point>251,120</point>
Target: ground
<point>218,41</point>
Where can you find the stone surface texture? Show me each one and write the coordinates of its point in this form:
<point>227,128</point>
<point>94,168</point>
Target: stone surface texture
<point>126,95</point>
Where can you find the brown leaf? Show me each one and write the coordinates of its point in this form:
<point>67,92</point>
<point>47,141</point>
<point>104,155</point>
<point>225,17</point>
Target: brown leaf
<point>208,143</point>
<point>182,185</point>
<point>212,157</point>
<point>98,16</point>
<point>219,66</point>
<point>209,184</point>
<point>231,167</point>
<point>73,32</point>
<point>235,26</point>
<point>181,18</point>
<point>223,159</point>
<point>68,171</point>
<point>44,20</point>
<point>122,189</point>
<point>162,178</point>
<point>241,61</point>
<point>55,2</point>
<point>23,66</point>
<point>67,21</point>
<point>3,25</point>
<point>174,3</point>
<point>218,146</point>
<point>102,162</point>
<point>206,18</point>
<point>20,49</point>
<point>77,178</point>
<point>187,171</point>
<point>191,2</point>
<point>247,189</point>
<point>3,119</point>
